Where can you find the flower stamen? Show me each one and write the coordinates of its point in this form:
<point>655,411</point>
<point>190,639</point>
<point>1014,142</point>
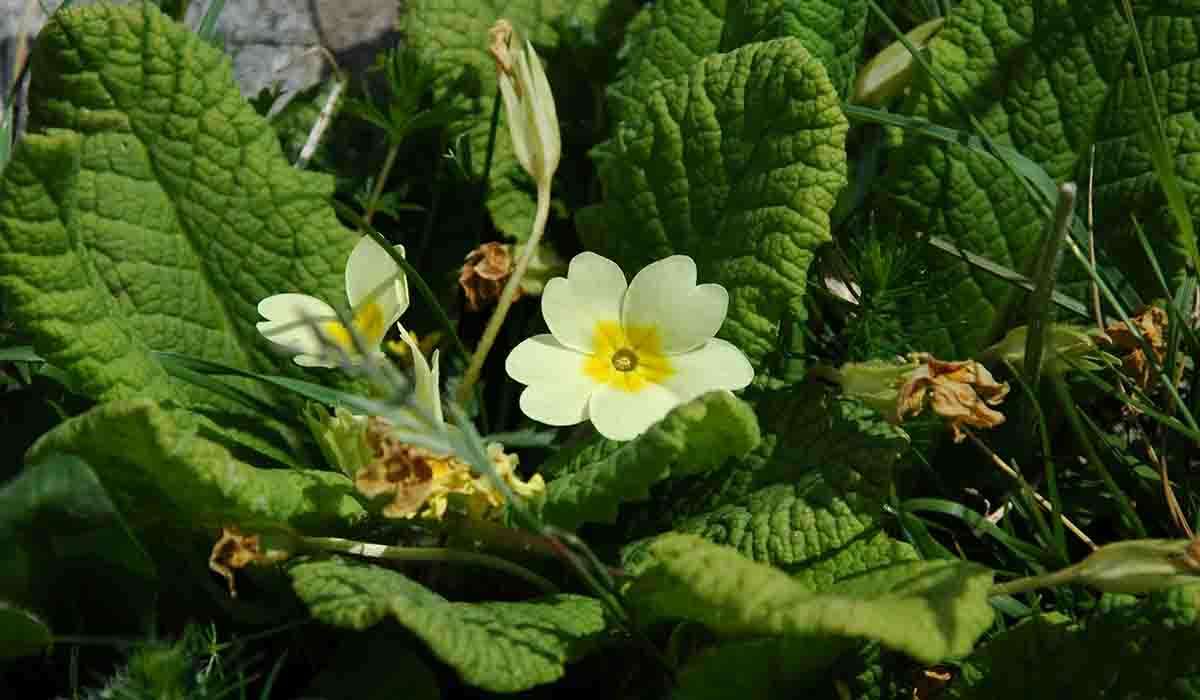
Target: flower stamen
<point>624,360</point>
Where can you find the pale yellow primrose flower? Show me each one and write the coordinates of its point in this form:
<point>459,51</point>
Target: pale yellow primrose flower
<point>623,355</point>
<point>377,304</point>
<point>528,104</point>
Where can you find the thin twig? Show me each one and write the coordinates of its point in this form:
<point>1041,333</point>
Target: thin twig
<point>1041,500</point>
<point>1040,311</point>
<point>325,118</point>
<point>1168,493</point>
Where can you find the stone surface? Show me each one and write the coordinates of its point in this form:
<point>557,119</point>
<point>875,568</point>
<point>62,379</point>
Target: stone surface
<point>269,40</point>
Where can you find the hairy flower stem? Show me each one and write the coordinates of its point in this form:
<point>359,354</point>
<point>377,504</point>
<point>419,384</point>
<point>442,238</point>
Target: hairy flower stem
<point>425,554</point>
<point>507,296</point>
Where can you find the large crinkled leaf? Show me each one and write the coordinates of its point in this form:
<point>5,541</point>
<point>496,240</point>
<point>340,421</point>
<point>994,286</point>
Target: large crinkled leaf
<point>807,531</point>
<point>158,467</point>
<point>500,647</point>
<point>816,430</point>
<point>150,208</point>
<point>594,479</point>
<point>668,37</point>
<point>929,610</point>
<point>1049,79</point>
<point>452,37</point>
<point>809,435</point>
<point>1129,648</point>
<point>737,163</point>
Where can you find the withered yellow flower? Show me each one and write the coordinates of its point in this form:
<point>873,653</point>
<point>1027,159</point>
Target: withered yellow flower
<point>962,392</point>
<point>1152,324</point>
<point>235,550</point>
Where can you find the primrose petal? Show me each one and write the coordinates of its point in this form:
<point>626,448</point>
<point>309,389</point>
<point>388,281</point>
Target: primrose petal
<point>664,294</point>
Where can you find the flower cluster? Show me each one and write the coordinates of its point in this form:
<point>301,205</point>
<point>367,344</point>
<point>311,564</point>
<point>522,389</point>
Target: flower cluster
<point>418,482</point>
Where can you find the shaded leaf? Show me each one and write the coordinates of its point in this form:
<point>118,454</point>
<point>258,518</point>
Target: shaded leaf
<point>500,647</point>
<point>159,467</point>
<point>592,480</point>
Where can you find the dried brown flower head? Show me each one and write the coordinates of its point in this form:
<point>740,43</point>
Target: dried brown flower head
<point>234,550</point>
<point>484,273</point>
<point>1152,324</point>
<point>962,392</point>
<point>411,474</point>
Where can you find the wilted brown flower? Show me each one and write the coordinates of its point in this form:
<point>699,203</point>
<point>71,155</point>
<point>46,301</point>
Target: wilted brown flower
<point>961,392</point>
<point>1152,324</point>
<point>234,550</point>
<point>410,474</point>
<point>484,273</point>
<point>421,482</point>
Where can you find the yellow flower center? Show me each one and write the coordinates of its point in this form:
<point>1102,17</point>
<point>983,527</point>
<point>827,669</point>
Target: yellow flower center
<point>368,323</point>
<point>626,358</point>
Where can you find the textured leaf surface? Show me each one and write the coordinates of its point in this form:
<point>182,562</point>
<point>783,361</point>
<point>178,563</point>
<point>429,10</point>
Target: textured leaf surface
<point>500,647</point>
<point>809,435</point>
<point>593,480</point>
<point>736,163</point>
<point>809,532</point>
<point>929,610</point>
<point>668,37</point>
<point>1067,71</point>
<point>1128,648</point>
<point>150,208</point>
<point>158,467</point>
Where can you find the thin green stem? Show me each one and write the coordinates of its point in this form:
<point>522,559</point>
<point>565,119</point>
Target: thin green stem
<point>508,295</point>
<point>427,554</point>
<point>1040,312</point>
<point>376,192</point>
<point>1061,577</point>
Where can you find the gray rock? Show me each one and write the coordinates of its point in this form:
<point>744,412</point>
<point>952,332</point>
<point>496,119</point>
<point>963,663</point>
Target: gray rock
<point>270,40</point>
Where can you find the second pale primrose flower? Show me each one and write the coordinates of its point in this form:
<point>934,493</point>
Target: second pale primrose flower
<point>309,327</point>
<point>624,355</point>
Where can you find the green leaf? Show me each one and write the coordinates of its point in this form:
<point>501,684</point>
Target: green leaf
<point>63,544</point>
<point>1070,82</point>
<point>372,665</point>
<point>758,668</point>
<point>929,610</point>
<point>737,163</point>
<point>809,435</point>
<point>452,37</point>
<point>815,430</point>
<point>667,38</point>
<point>593,479</point>
<point>159,467</point>
<point>150,208</point>
<point>807,531</point>
<point>499,647</point>
<point>21,632</point>
<point>1129,648</point>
